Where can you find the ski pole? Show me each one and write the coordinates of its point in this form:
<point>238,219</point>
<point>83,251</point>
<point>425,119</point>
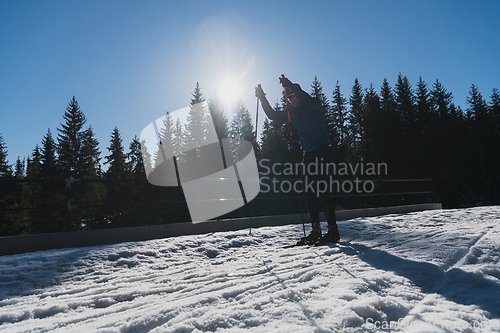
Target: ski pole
<point>256,127</point>
<point>293,156</point>
<point>257,119</point>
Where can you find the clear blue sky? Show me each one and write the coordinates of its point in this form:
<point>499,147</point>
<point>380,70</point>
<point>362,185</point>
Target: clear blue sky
<point>129,62</point>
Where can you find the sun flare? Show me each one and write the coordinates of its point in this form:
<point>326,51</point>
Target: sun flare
<point>228,92</point>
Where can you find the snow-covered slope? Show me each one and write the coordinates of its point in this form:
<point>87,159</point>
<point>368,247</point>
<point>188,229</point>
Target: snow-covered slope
<point>433,271</point>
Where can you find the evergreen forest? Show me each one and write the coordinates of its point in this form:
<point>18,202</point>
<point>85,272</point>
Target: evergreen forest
<point>66,183</point>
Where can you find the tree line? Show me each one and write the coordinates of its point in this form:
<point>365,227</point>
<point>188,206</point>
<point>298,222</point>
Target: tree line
<point>417,131</point>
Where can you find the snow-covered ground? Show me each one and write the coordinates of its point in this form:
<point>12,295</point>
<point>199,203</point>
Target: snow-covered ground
<point>433,271</point>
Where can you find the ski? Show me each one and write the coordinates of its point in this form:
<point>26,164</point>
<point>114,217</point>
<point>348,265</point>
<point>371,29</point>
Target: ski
<point>299,243</point>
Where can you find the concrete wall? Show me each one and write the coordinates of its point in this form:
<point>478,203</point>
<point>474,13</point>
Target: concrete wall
<point>40,242</point>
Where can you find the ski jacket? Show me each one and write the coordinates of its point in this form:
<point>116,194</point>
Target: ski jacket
<point>308,119</point>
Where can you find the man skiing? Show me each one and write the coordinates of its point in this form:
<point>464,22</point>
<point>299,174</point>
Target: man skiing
<point>306,114</point>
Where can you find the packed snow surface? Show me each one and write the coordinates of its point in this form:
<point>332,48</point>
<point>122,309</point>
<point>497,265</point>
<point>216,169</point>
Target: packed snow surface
<point>432,271</point>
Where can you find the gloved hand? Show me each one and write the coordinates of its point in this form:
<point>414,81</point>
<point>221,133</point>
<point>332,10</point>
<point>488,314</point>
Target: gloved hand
<point>259,92</point>
<point>286,83</point>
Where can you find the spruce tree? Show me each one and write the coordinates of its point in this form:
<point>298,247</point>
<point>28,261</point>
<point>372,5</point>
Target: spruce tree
<point>494,107</point>
<point>19,168</point>
<point>407,137</point>
<point>37,194</point>
<point>5,168</point>
<point>117,192</point>
<point>405,101</point>
<point>50,194</point>
<point>70,140</point>
<point>167,131</point>
<point>48,159</point>
<point>273,144</point>
<point>6,219</point>
<point>336,120</point>
<point>178,140</point>
<point>135,161</point>
<point>116,158</point>
<point>196,127</point>
<point>423,108</point>
<point>91,193</point>
<point>242,126</point>
<point>33,165</point>
<point>494,110</point>
<point>391,125</point>
<point>317,92</point>
<point>373,127</point>
<point>424,128</point>
<point>90,155</point>
<point>483,133</point>
<point>330,121</point>
<point>19,194</point>
<point>440,99</point>
<point>219,117</point>
<point>356,119</point>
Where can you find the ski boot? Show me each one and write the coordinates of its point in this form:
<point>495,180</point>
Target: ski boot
<point>332,236</point>
<point>312,238</point>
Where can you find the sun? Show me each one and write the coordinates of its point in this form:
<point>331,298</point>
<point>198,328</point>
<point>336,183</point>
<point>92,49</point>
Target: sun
<point>228,91</point>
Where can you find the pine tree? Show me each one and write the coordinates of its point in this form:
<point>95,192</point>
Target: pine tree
<point>118,169</point>
<point>19,168</point>
<point>19,194</point>
<point>423,107</point>
<point>5,168</point>
<point>70,140</point>
<point>116,158</point>
<point>166,139</point>
<point>330,121</point>
<point>336,120</point>
<point>135,161</point>
<point>391,125</point>
<point>39,194</point>
<point>90,193</point>
<point>372,125</point>
<point>317,92</point>
<point>90,155</point>
<point>33,165</point>
<point>407,116</point>
<point>196,127</point>
<point>178,140</point>
<point>483,132</point>
<point>48,160</point>
<point>423,128</point>
<point>494,110</point>
<point>274,147</point>
<point>242,126</point>
<point>167,130</point>
<point>356,119</point>
<point>219,117</point>
<point>441,99</point>
<point>9,196</point>
<point>49,194</point>
<point>405,101</point>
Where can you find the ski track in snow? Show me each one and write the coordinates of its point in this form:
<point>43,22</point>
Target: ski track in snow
<point>432,271</point>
